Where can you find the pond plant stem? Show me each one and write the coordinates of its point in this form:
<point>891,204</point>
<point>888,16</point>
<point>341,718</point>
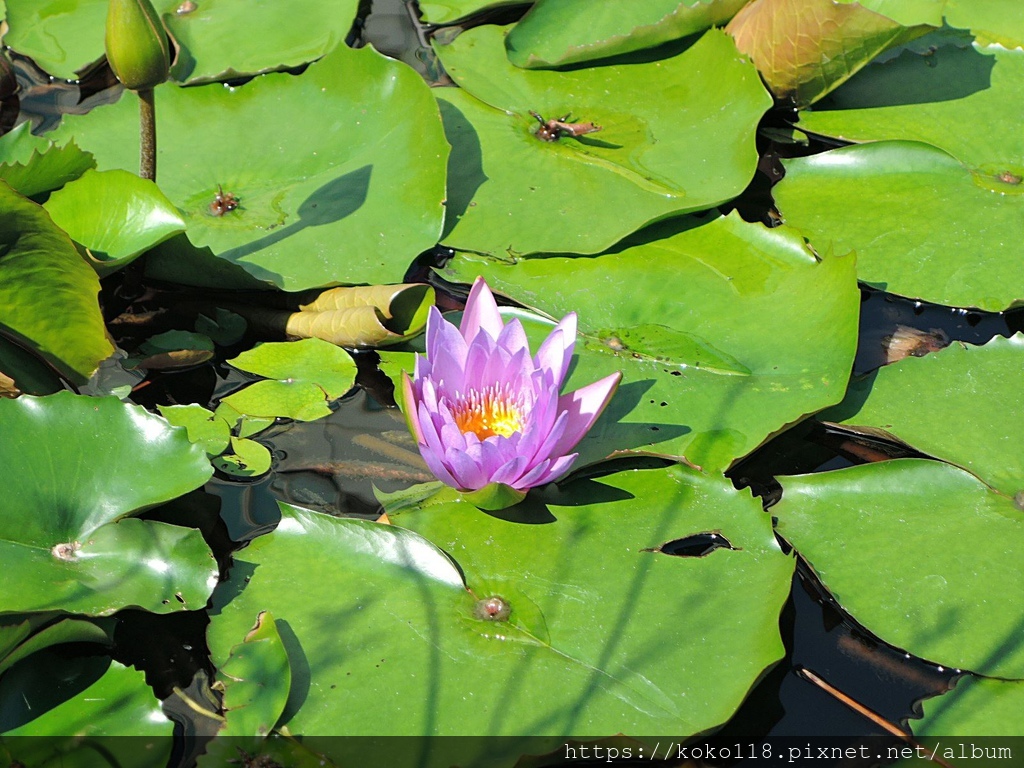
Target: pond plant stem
<point>147,134</point>
<point>860,709</point>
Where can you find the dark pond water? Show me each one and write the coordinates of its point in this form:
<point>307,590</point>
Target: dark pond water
<point>333,464</point>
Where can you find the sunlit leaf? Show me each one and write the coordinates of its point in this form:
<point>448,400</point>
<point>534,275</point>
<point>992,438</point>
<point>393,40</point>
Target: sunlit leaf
<point>367,316</point>
<point>32,165</point>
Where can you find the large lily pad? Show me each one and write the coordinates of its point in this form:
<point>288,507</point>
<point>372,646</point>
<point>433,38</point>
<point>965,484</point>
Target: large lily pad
<point>806,48</point>
<point>219,39</point>
<point>751,332</point>
<point>328,190</point>
<point>975,707</point>
<point>558,32</point>
<point>448,11</point>
<point>32,165</point>
<point>923,225</point>
<point>591,645</point>
<point>954,96</point>
<point>84,698</point>
<point>961,404</point>
<point>48,293</point>
<point>921,553</point>
<point>115,216</point>
<point>74,466</point>
<point>657,153</point>
<point>997,20</point>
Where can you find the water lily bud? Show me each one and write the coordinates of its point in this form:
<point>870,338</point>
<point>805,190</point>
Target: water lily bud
<point>137,47</point>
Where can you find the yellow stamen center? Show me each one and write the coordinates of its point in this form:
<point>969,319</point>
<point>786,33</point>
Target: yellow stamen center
<point>487,413</point>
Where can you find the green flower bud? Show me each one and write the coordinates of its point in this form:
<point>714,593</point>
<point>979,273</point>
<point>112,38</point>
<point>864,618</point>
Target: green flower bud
<point>137,47</point>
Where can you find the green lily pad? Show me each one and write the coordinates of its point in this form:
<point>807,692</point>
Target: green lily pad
<point>82,699</point>
<point>448,11</point>
<point>975,707</point>
<point>48,293</point>
<point>806,48</point>
<point>115,215</point>
<point>922,224</point>
<point>19,641</point>
<point>222,39</point>
<point>308,374</point>
<point>656,153</point>
<point>587,643</point>
<point>218,40</point>
<point>172,349</point>
<point>919,552</point>
<point>998,20</point>
<point>32,165</point>
<point>204,428</point>
<point>737,344</point>
<point>330,171</point>
<point>225,327</point>
<point>558,32</point>
<point>73,466</point>
<point>961,405</point>
<point>247,458</point>
<point>256,679</point>
<point>955,97</point>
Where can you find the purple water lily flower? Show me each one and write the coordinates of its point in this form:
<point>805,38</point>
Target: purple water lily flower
<point>486,414</point>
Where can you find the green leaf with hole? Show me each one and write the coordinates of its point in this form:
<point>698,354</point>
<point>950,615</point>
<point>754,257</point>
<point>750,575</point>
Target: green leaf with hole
<point>737,344</point>
<point>961,405</point>
<point>919,552</point>
<point>952,94</point>
<point>32,165</point>
<point>581,646</point>
<point>510,192</point>
<point>218,40</point>
<point>81,699</point>
<point>923,225</point>
<point>339,194</point>
<point>67,535</point>
<point>559,32</point>
<point>47,291</point>
<point>806,48</point>
<point>115,215</point>
<point>308,373</point>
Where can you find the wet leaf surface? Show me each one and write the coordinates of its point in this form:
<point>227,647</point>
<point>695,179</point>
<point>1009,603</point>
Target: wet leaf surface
<point>115,215</point>
<point>919,552</point>
<point>961,405</point>
<point>512,193</point>
<point>805,48</point>
<point>48,293</point>
<point>559,32</point>
<point>951,94</point>
<point>65,535</point>
<point>307,374</point>
<point>590,645</point>
<point>740,325</point>
<point>331,169</point>
<point>923,225</point>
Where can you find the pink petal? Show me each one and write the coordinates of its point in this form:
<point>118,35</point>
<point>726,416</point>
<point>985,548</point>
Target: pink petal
<point>552,470</point>
<point>556,351</point>
<point>481,312</point>
<point>469,475</point>
<point>442,335</point>
<point>584,406</point>
<point>513,337</point>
